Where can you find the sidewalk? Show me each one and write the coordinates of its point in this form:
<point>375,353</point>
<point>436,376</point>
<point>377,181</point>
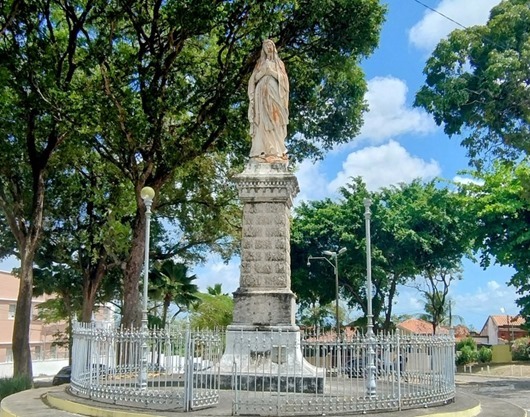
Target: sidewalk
<point>57,401</point>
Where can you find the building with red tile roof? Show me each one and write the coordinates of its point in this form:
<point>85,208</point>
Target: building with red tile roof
<point>420,327</point>
<point>503,328</point>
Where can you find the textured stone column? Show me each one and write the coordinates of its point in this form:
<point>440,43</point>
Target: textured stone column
<point>263,339</point>
<point>264,298</point>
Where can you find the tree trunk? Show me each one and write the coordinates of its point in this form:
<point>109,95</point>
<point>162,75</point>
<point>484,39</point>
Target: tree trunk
<point>165,308</point>
<point>91,283</point>
<point>391,295</point>
<point>21,344</point>
<point>132,307</point>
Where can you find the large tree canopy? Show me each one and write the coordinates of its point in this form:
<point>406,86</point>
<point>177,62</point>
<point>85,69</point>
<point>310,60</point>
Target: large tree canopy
<point>499,203</point>
<point>417,230</point>
<point>477,84</point>
<point>158,90</point>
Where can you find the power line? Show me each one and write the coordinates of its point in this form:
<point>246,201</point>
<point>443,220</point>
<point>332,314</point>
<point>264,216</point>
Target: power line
<point>440,13</point>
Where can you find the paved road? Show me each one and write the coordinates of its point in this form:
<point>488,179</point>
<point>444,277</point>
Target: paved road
<point>510,389</point>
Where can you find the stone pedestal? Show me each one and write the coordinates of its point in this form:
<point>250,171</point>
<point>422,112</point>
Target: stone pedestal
<point>263,338</point>
<point>264,297</point>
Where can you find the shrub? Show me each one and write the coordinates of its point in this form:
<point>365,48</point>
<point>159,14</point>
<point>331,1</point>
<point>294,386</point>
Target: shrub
<point>466,355</point>
<point>484,354</point>
<point>468,341</point>
<point>521,349</point>
<point>13,385</point>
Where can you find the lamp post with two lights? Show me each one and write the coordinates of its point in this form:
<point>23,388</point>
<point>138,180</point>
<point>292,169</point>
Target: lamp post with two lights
<point>334,256</point>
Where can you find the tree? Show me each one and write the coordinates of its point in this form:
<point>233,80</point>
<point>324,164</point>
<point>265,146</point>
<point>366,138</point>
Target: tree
<point>212,311</point>
<point>316,316</point>
<point>217,289</point>
<point>435,290</point>
<point>499,204</point>
<point>88,230</point>
<point>477,84</point>
<point>41,51</point>
<point>170,283</point>
<point>172,78</point>
<point>417,229</point>
<point>158,90</point>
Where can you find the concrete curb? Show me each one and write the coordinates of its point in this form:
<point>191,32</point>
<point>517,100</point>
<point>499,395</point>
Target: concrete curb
<point>89,410</point>
<point>56,401</point>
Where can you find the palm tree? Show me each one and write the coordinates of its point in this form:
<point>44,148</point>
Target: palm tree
<point>170,283</point>
<point>438,310</point>
<point>215,290</point>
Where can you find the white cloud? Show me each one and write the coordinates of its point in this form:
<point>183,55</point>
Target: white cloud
<point>389,115</point>
<point>433,27</point>
<point>487,300</point>
<point>215,271</point>
<point>384,165</point>
<point>467,180</point>
<point>493,285</point>
<point>312,181</point>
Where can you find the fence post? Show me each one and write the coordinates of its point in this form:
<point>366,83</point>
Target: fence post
<point>400,360</point>
<point>188,371</point>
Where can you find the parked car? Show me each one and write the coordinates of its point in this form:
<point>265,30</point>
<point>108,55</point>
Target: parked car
<point>63,376</point>
<point>357,367</point>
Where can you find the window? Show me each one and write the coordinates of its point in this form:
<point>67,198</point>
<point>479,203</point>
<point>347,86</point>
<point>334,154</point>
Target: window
<point>11,313</point>
<point>38,352</point>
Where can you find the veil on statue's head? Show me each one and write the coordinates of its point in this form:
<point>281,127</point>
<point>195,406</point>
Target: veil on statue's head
<point>263,55</point>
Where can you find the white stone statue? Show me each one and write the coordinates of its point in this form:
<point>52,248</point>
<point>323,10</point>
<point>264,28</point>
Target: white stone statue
<point>268,111</point>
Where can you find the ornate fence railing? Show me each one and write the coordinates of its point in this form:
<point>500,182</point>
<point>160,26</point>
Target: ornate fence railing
<point>357,375</point>
<point>108,363</point>
<point>272,376</point>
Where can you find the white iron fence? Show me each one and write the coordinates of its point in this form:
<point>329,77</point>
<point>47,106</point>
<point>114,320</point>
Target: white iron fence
<point>264,373</point>
<point>110,364</point>
<point>351,376</point>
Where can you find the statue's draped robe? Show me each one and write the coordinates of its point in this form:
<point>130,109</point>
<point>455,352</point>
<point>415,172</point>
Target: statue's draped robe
<point>270,113</point>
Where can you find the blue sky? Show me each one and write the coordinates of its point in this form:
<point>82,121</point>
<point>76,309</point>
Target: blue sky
<point>397,144</point>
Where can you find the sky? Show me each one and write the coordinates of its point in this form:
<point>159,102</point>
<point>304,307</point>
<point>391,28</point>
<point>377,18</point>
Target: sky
<point>398,143</point>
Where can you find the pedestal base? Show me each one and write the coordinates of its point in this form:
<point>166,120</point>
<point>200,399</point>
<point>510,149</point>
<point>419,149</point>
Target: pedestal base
<point>268,358</point>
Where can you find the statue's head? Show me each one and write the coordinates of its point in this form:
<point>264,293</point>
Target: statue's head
<point>269,48</point>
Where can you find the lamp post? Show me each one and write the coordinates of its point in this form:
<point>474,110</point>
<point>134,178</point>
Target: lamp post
<point>371,384</point>
<point>147,194</point>
<point>334,256</point>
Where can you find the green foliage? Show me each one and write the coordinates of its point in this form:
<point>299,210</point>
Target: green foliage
<point>154,93</point>
<point>417,230</point>
<point>466,355</point>
<point>317,316</point>
<point>169,282</point>
<point>499,204</point>
<point>484,354</point>
<point>9,386</point>
<point>521,349</point>
<point>212,311</point>
<point>476,84</point>
<point>468,341</point>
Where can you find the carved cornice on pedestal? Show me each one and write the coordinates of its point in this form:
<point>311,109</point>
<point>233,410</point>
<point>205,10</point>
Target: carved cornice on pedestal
<point>267,182</point>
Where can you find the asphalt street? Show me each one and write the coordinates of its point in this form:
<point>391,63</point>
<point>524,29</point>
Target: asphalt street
<point>514,390</point>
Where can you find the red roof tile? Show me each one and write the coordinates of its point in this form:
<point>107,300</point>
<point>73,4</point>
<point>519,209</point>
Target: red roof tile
<point>418,326</point>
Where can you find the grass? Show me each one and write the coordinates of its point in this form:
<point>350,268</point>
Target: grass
<point>13,385</point>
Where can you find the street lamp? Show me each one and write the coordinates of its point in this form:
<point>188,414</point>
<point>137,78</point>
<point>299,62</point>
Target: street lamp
<point>335,265</point>
<point>147,194</point>
<point>371,384</point>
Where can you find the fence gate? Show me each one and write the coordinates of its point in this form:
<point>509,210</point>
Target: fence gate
<point>201,388</point>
